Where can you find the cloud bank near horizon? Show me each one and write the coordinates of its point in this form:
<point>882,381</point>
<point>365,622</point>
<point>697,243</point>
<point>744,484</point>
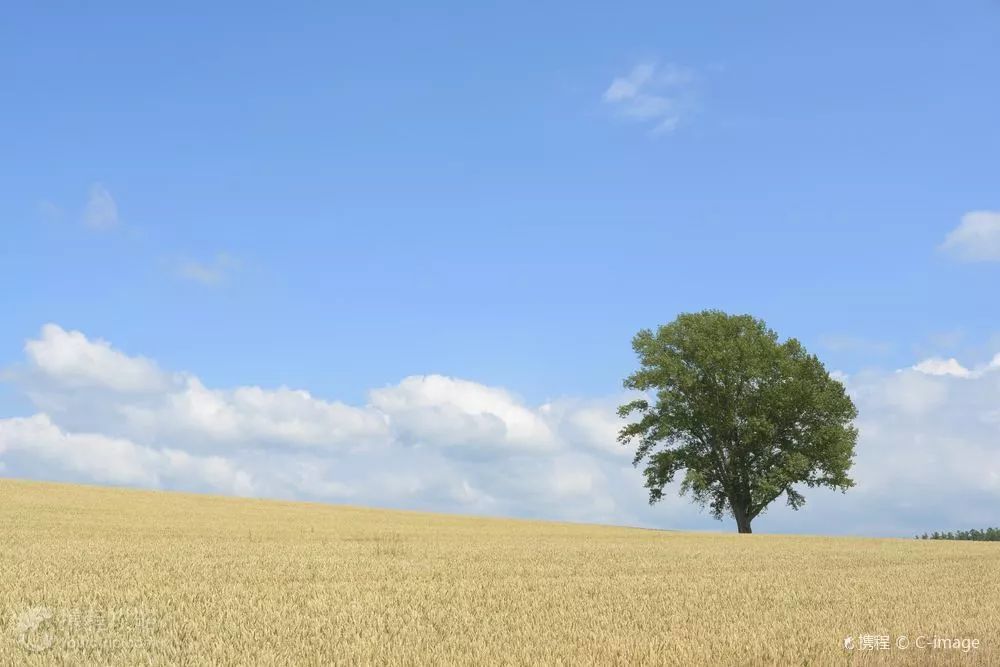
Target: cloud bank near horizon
<point>928,456</point>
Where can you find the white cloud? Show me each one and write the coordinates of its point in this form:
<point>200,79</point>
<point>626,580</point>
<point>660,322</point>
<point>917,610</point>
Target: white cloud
<point>937,366</point>
<point>214,272</point>
<point>908,391</point>
<point>76,362</point>
<point>590,424</point>
<point>252,416</point>
<point>88,385</point>
<point>434,410</point>
<point>570,478</point>
<point>116,460</point>
<point>951,366</point>
<point>429,441</point>
<point>927,459</point>
<point>660,96</point>
<point>976,239</point>
<point>101,211</point>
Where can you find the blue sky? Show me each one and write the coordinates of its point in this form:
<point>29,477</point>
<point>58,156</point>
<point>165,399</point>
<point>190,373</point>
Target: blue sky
<point>334,200</point>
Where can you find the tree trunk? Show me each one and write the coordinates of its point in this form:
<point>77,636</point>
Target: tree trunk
<point>742,520</point>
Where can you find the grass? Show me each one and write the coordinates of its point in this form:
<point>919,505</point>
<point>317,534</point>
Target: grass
<point>93,575</point>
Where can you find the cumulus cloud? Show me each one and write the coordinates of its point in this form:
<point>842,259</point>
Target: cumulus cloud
<point>101,210</point>
<point>928,457</point>
<point>591,425</point>
<point>100,458</point>
<point>70,359</point>
<point>428,441</point>
<point>434,410</point>
<point>906,391</point>
<point>659,96</point>
<point>976,239</point>
<point>254,416</point>
<point>952,367</point>
<point>936,366</point>
<point>88,385</point>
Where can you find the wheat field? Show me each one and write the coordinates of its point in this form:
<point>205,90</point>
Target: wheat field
<point>100,576</point>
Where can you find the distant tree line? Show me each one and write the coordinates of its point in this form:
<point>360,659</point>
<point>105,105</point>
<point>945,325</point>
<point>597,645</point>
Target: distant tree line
<point>975,535</point>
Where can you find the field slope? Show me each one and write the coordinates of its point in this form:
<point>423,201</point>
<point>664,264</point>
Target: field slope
<point>108,576</point>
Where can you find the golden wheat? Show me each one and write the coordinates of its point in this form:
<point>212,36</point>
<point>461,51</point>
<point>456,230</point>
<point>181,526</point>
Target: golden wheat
<point>107,576</point>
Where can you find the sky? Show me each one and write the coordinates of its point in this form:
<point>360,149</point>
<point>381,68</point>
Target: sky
<point>395,256</point>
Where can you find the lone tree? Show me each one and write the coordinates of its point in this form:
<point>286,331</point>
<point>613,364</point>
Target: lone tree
<point>745,417</point>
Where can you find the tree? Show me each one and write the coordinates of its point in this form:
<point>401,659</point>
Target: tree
<point>744,416</point>
<point>976,535</point>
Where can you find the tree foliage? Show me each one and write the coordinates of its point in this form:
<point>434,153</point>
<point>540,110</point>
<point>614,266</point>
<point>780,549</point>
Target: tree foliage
<point>745,417</point>
<point>975,535</point>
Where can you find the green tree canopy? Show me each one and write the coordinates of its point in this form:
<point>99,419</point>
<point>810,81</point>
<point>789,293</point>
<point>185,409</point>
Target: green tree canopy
<point>745,417</point>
